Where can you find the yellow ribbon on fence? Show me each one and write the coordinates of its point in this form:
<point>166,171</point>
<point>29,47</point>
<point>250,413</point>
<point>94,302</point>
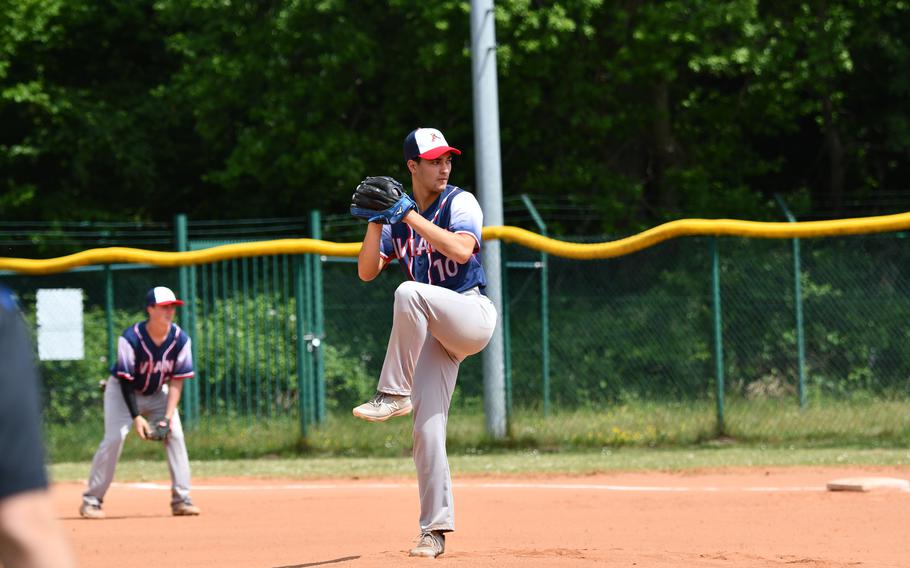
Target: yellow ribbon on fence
<point>700,227</point>
<point>579,251</point>
<point>112,255</point>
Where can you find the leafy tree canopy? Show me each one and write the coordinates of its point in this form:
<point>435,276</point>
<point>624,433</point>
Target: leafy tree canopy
<point>638,111</point>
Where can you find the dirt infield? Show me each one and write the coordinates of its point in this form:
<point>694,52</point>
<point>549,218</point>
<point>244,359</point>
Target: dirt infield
<point>741,518</point>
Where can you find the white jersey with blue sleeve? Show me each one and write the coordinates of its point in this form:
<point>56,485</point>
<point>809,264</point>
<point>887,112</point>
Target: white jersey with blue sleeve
<point>456,211</point>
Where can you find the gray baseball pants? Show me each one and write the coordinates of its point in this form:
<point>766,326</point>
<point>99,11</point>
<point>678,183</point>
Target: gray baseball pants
<point>433,330</point>
<point>117,424</point>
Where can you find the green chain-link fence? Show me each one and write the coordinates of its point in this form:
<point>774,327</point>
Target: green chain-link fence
<point>641,327</point>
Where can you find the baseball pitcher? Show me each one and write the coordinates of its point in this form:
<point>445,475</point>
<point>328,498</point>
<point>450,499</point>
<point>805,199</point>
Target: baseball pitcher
<point>441,315</point>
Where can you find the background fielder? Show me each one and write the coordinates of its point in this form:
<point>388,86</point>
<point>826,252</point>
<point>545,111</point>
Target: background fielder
<point>153,359</point>
<point>441,315</point>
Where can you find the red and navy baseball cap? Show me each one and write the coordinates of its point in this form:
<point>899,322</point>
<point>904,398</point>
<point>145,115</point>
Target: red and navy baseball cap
<point>162,296</point>
<point>427,143</point>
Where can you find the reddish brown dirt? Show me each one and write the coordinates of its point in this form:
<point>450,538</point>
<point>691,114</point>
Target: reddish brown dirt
<point>742,518</point>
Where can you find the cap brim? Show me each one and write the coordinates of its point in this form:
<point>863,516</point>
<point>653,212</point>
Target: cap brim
<point>436,152</point>
<point>170,303</point>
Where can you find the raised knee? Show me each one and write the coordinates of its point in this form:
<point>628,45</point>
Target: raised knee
<point>406,292</point>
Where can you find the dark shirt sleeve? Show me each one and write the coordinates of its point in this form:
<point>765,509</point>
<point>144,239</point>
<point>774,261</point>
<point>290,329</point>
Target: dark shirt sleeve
<point>129,396</point>
<point>21,437</point>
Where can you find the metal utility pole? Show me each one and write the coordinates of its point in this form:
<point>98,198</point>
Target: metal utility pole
<point>489,186</point>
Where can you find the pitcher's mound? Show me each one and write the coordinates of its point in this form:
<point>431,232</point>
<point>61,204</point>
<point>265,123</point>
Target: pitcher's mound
<point>868,484</point>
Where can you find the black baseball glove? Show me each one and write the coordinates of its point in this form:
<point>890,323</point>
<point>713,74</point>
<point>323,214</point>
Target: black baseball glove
<point>161,427</point>
<point>381,199</point>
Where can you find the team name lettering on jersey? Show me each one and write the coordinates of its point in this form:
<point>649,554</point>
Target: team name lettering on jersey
<point>454,210</point>
<point>166,367</point>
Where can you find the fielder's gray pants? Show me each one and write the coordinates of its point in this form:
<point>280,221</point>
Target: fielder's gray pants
<point>117,424</point>
<point>433,330</point>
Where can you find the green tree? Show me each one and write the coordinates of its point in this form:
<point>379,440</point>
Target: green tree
<point>295,102</point>
<point>90,135</point>
<point>637,111</point>
<point>26,107</point>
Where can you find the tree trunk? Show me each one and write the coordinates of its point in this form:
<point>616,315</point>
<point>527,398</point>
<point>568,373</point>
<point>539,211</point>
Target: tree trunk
<point>664,150</point>
<point>835,149</point>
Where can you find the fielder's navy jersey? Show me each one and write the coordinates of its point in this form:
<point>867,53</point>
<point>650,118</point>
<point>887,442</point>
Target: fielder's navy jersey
<point>149,366</point>
<point>454,210</point>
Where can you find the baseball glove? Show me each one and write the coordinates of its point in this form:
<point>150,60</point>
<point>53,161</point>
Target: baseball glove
<point>381,199</point>
<point>161,427</point>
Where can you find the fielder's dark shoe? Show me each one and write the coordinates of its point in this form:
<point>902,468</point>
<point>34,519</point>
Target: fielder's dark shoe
<point>185,508</point>
<point>430,544</point>
<point>91,511</point>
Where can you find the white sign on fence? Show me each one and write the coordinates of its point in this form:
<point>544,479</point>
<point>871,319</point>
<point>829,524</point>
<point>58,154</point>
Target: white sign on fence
<point>60,324</point>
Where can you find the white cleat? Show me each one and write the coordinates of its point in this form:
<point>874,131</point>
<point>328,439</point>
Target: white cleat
<point>430,545</point>
<point>384,406</point>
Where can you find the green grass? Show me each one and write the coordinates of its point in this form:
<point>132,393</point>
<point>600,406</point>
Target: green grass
<point>639,425</point>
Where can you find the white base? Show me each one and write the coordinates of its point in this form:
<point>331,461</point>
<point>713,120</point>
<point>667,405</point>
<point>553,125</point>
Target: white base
<point>868,484</point>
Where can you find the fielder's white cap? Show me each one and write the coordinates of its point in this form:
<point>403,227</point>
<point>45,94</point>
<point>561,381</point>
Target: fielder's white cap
<point>427,143</point>
<point>162,296</point>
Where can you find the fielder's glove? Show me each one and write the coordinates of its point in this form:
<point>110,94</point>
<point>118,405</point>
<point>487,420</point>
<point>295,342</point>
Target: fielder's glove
<point>381,199</point>
<point>161,427</point>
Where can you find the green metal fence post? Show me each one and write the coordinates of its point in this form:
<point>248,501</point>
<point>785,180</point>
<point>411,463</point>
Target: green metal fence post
<point>252,407</point>
<point>266,302</point>
<point>257,336</point>
<point>308,337</point>
<point>544,306</point>
<point>194,333</point>
<point>109,314</point>
<point>506,331</point>
<point>798,306</point>
<point>303,383</point>
<point>800,333</point>
<point>225,346</point>
<point>545,330</point>
<point>318,319</point>
<point>287,322</point>
<point>187,401</point>
<point>718,335</point>
<point>206,345</point>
